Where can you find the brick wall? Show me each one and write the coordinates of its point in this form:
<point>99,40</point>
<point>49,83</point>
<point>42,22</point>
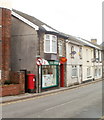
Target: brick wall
<point>6,37</point>
<point>14,88</point>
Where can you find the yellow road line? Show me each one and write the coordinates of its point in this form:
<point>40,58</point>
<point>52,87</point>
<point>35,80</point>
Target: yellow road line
<point>48,94</point>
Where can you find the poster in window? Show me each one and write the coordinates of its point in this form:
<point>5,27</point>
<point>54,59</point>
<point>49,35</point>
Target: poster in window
<point>48,80</point>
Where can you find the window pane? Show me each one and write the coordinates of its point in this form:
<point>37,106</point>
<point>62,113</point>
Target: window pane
<point>74,71</point>
<point>96,72</point>
<point>60,48</point>
<point>54,44</point>
<point>49,76</point>
<point>47,46</point>
<point>47,37</point>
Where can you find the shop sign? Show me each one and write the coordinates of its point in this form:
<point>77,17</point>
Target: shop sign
<point>53,62</point>
<point>48,81</point>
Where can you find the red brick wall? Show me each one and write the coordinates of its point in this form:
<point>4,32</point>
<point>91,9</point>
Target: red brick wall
<point>14,89</point>
<point>6,37</point>
<point>0,42</point>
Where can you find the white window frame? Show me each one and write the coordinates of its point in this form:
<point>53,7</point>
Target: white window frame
<point>51,51</point>
<point>88,71</point>
<point>80,52</point>
<point>99,71</point>
<point>60,44</point>
<point>74,67</point>
<point>96,70</point>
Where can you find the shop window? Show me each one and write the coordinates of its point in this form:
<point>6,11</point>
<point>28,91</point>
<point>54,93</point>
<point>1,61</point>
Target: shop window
<point>49,76</point>
<point>74,71</point>
<point>50,43</point>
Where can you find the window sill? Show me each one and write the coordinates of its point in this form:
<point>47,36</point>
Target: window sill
<point>74,76</point>
<point>89,77</point>
<point>51,52</point>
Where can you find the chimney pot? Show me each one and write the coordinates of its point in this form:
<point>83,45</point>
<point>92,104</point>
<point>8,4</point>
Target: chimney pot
<point>94,41</point>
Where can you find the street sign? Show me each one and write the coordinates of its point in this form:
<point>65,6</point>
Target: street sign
<point>41,61</point>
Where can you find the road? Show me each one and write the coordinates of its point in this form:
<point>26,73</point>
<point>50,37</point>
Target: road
<point>83,102</point>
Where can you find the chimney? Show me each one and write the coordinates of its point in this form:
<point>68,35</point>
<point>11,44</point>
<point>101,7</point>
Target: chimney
<point>5,39</point>
<point>94,41</point>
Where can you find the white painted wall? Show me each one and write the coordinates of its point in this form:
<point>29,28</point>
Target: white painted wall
<point>70,62</point>
<point>88,55</point>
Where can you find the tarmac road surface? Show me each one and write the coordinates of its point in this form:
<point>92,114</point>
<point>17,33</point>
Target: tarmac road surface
<point>83,102</point>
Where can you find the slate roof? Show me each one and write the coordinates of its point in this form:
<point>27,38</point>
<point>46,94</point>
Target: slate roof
<point>42,26</point>
<point>48,29</point>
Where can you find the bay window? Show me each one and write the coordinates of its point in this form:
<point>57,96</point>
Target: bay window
<point>50,43</point>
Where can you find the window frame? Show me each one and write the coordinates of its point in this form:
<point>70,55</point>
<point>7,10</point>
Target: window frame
<point>60,44</point>
<point>74,67</point>
<point>88,71</point>
<point>51,44</point>
<point>80,52</point>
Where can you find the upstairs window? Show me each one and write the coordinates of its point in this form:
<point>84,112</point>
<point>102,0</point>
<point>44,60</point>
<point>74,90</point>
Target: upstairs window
<point>50,43</point>
<point>80,52</point>
<point>60,48</point>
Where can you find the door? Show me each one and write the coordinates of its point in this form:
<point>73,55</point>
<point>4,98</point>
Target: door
<point>80,74</point>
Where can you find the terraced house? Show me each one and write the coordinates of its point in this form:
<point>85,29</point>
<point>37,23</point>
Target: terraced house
<point>30,46</point>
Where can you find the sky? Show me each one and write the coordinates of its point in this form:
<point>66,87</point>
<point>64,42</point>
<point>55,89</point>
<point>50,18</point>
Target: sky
<point>80,18</point>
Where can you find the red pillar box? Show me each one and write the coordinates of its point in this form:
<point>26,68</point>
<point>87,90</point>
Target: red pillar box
<point>31,83</point>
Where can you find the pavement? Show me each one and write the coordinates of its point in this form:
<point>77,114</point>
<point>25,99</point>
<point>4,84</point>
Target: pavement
<point>7,99</point>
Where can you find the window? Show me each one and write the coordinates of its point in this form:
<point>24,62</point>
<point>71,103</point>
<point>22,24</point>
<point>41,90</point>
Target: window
<point>74,71</point>
<point>54,44</point>
<point>80,52</point>
<point>49,76</point>
<point>88,71</point>
<point>60,48</point>
<point>72,50</point>
<point>50,43</point>
<point>97,56</point>
<point>99,71</point>
<point>95,71</point>
<point>100,56</point>
<point>87,55</point>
